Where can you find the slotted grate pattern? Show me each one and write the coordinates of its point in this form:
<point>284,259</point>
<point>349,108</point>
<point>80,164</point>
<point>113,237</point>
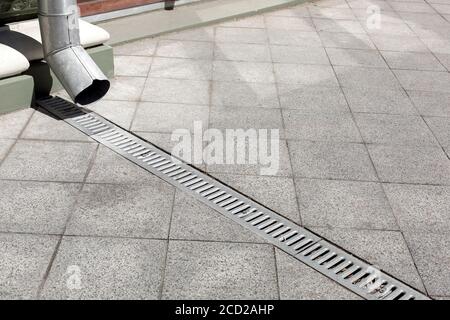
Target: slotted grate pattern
<point>344,268</point>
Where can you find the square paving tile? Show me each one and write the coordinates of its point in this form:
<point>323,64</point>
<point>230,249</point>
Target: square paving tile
<point>312,99</point>
<point>12,124</point>
<point>347,161</point>
<point>437,45</point>
<point>241,35</point>
<point>297,281</point>
<point>193,220</point>
<point>344,26</point>
<point>44,126</point>
<point>346,40</point>
<point>364,4</point>
<point>362,77</point>
<point>106,268</point>
<point>357,58</point>
<point>431,103</point>
<point>242,52</point>
<point>300,55</point>
<point>24,260</point>
<point>132,66</point>
<point>250,94</point>
<point>320,127</point>
<point>444,59</point>
<point>126,88</point>
<point>374,100</point>
<point>176,91</point>
<point>276,193</point>
<point>294,11</point>
<point>398,43</point>
<point>394,129</point>
<point>207,270</point>
<point>440,128</point>
<point>109,167</point>
<point>411,7</point>
<point>49,161</point>
<point>185,49</point>
<point>145,47</point>
<point>5,145</point>
<point>163,117</point>
<point>424,80</point>
<point>123,210</point>
<point>431,253</point>
<point>386,250</point>
<point>119,112</point>
<point>197,34</point>
<point>409,164</point>
<point>420,208</point>
<point>298,38</point>
<point>245,118</point>
<point>177,68</point>
<point>344,204</point>
<point>243,71</point>
<point>332,13</point>
<point>412,61</point>
<point>289,23</point>
<point>35,207</point>
<point>308,75</point>
<point>274,162</point>
<point>390,29</point>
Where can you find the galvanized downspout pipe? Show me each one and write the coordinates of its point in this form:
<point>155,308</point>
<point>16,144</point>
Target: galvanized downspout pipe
<point>72,65</point>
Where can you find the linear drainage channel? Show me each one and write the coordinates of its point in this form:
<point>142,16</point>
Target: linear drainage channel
<point>337,264</point>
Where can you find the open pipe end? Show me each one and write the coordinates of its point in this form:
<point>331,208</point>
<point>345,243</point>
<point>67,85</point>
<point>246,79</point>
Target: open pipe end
<point>97,90</point>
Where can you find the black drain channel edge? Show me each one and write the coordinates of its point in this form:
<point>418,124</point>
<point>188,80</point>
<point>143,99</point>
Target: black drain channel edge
<point>337,264</point>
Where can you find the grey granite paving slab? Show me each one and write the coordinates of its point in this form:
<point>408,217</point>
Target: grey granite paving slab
<point>245,118</point>
<point>141,211</point>
<point>248,22</point>
<point>44,126</point>
<point>346,40</point>
<point>185,49</point>
<point>164,117</point>
<point>300,55</point>
<point>24,260</point>
<point>131,66</point>
<point>36,207</point>
<point>330,160</point>
<point>362,77</point>
<point>12,124</point>
<point>420,208</point>
<point>106,268</point>
<point>241,35</point>
<point>307,75</point>
<point>197,34</point>
<point>358,58</point>
<point>208,270</point>
<point>289,23</point>
<point>177,68</point>
<point>424,80</point>
<point>312,99</point>
<point>299,38</point>
<point>395,130</point>
<point>342,26</point>
<point>431,103</point>
<point>344,204</point>
<point>5,145</point>
<point>144,47</point>
<point>49,161</point>
<point>407,164</point>
<point>242,52</point>
<point>373,100</point>
<point>126,88</point>
<point>320,127</point>
<point>398,43</point>
<point>440,128</point>
<point>176,91</point>
<point>412,61</point>
<point>235,94</point>
<point>243,71</point>
<point>432,256</point>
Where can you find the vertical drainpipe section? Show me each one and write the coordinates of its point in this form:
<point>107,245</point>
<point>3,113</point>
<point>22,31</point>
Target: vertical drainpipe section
<point>72,65</point>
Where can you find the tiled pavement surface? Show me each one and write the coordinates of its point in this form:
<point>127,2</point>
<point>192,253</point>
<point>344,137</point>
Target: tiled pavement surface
<point>364,115</point>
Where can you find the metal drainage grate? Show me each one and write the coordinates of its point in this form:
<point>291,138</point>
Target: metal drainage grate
<point>342,267</point>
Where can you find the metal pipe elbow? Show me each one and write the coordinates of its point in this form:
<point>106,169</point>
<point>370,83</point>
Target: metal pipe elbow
<point>71,64</point>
